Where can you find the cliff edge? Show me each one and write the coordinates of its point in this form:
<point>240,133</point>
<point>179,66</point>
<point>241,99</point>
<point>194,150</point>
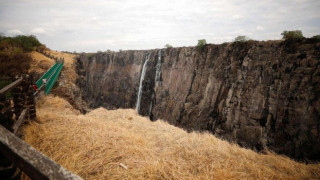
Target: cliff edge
<point>258,94</point>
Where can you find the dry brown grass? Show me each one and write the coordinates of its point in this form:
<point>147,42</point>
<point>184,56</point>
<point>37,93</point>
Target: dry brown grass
<point>40,63</point>
<point>94,145</point>
<point>69,64</point>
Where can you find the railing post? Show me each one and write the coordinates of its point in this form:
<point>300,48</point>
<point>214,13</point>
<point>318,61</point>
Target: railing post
<point>29,160</point>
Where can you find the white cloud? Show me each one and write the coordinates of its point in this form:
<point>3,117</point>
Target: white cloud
<point>89,25</point>
<point>237,16</point>
<point>14,32</point>
<point>38,31</point>
<point>259,28</point>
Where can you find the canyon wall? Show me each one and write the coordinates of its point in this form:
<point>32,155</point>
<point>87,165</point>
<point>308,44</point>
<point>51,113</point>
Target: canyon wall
<point>258,94</point>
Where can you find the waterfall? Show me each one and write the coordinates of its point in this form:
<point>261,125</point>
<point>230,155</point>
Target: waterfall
<point>158,67</point>
<point>144,69</point>
<point>157,79</point>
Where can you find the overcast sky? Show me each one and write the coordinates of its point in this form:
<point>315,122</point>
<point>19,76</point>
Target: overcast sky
<point>83,25</point>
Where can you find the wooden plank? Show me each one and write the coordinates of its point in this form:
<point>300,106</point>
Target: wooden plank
<point>21,119</point>
<point>29,160</point>
<point>10,86</point>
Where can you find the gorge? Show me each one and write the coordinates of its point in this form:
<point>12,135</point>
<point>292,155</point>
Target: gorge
<point>258,94</point>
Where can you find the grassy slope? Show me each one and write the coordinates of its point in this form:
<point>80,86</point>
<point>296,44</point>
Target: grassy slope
<point>94,145</point>
<point>69,67</point>
<point>41,63</point>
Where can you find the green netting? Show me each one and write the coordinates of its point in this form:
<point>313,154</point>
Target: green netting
<point>47,74</point>
<point>53,78</point>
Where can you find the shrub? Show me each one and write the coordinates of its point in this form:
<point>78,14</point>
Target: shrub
<point>2,36</point>
<point>168,46</point>
<point>108,51</point>
<point>27,43</point>
<point>297,34</point>
<point>241,39</point>
<point>201,44</point>
<point>13,60</point>
<point>89,55</point>
<point>316,37</point>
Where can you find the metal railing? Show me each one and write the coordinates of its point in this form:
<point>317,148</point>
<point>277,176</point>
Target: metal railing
<point>53,78</point>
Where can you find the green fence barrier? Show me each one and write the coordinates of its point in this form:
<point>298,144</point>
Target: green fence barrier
<point>53,78</point>
<point>46,75</point>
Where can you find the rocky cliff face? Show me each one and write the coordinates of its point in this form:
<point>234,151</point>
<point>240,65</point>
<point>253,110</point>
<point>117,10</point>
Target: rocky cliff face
<point>259,94</point>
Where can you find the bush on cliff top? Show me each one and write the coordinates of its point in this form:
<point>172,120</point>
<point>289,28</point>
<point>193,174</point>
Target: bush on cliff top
<point>13,59</point>
<point>241,39</point>
<point>296,34</point>
<point>168,46</point>
<point>26,43</point>
<point>316,37</point>
<point>201,44</point>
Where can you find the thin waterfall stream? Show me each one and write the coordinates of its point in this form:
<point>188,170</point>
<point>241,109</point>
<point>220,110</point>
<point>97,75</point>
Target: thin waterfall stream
<point>144,69</point>
<point>158,67</point>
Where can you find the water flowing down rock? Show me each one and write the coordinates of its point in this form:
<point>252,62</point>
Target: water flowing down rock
<point>158,67</point>
<point>143,73</point>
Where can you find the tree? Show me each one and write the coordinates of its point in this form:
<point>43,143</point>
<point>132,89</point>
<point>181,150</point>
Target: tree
<point>241,39</point>
<point>316,37</point>
<point>2,36</point>
<point>108,51</point>
<point>168,46</point>
<point>201,44</point>
<point>26,43</point>
<point>296,34</point>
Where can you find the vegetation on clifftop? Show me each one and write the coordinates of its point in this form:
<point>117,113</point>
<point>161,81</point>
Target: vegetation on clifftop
<point>168,46</point>
<point>296,34</point>
<point>13,54</point>
<point>24,43</point>
<point>201,44</point>
<point>241,39</point>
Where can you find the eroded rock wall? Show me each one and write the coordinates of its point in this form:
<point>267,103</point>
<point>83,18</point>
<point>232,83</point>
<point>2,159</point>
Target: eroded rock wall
<point>259,94</point>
